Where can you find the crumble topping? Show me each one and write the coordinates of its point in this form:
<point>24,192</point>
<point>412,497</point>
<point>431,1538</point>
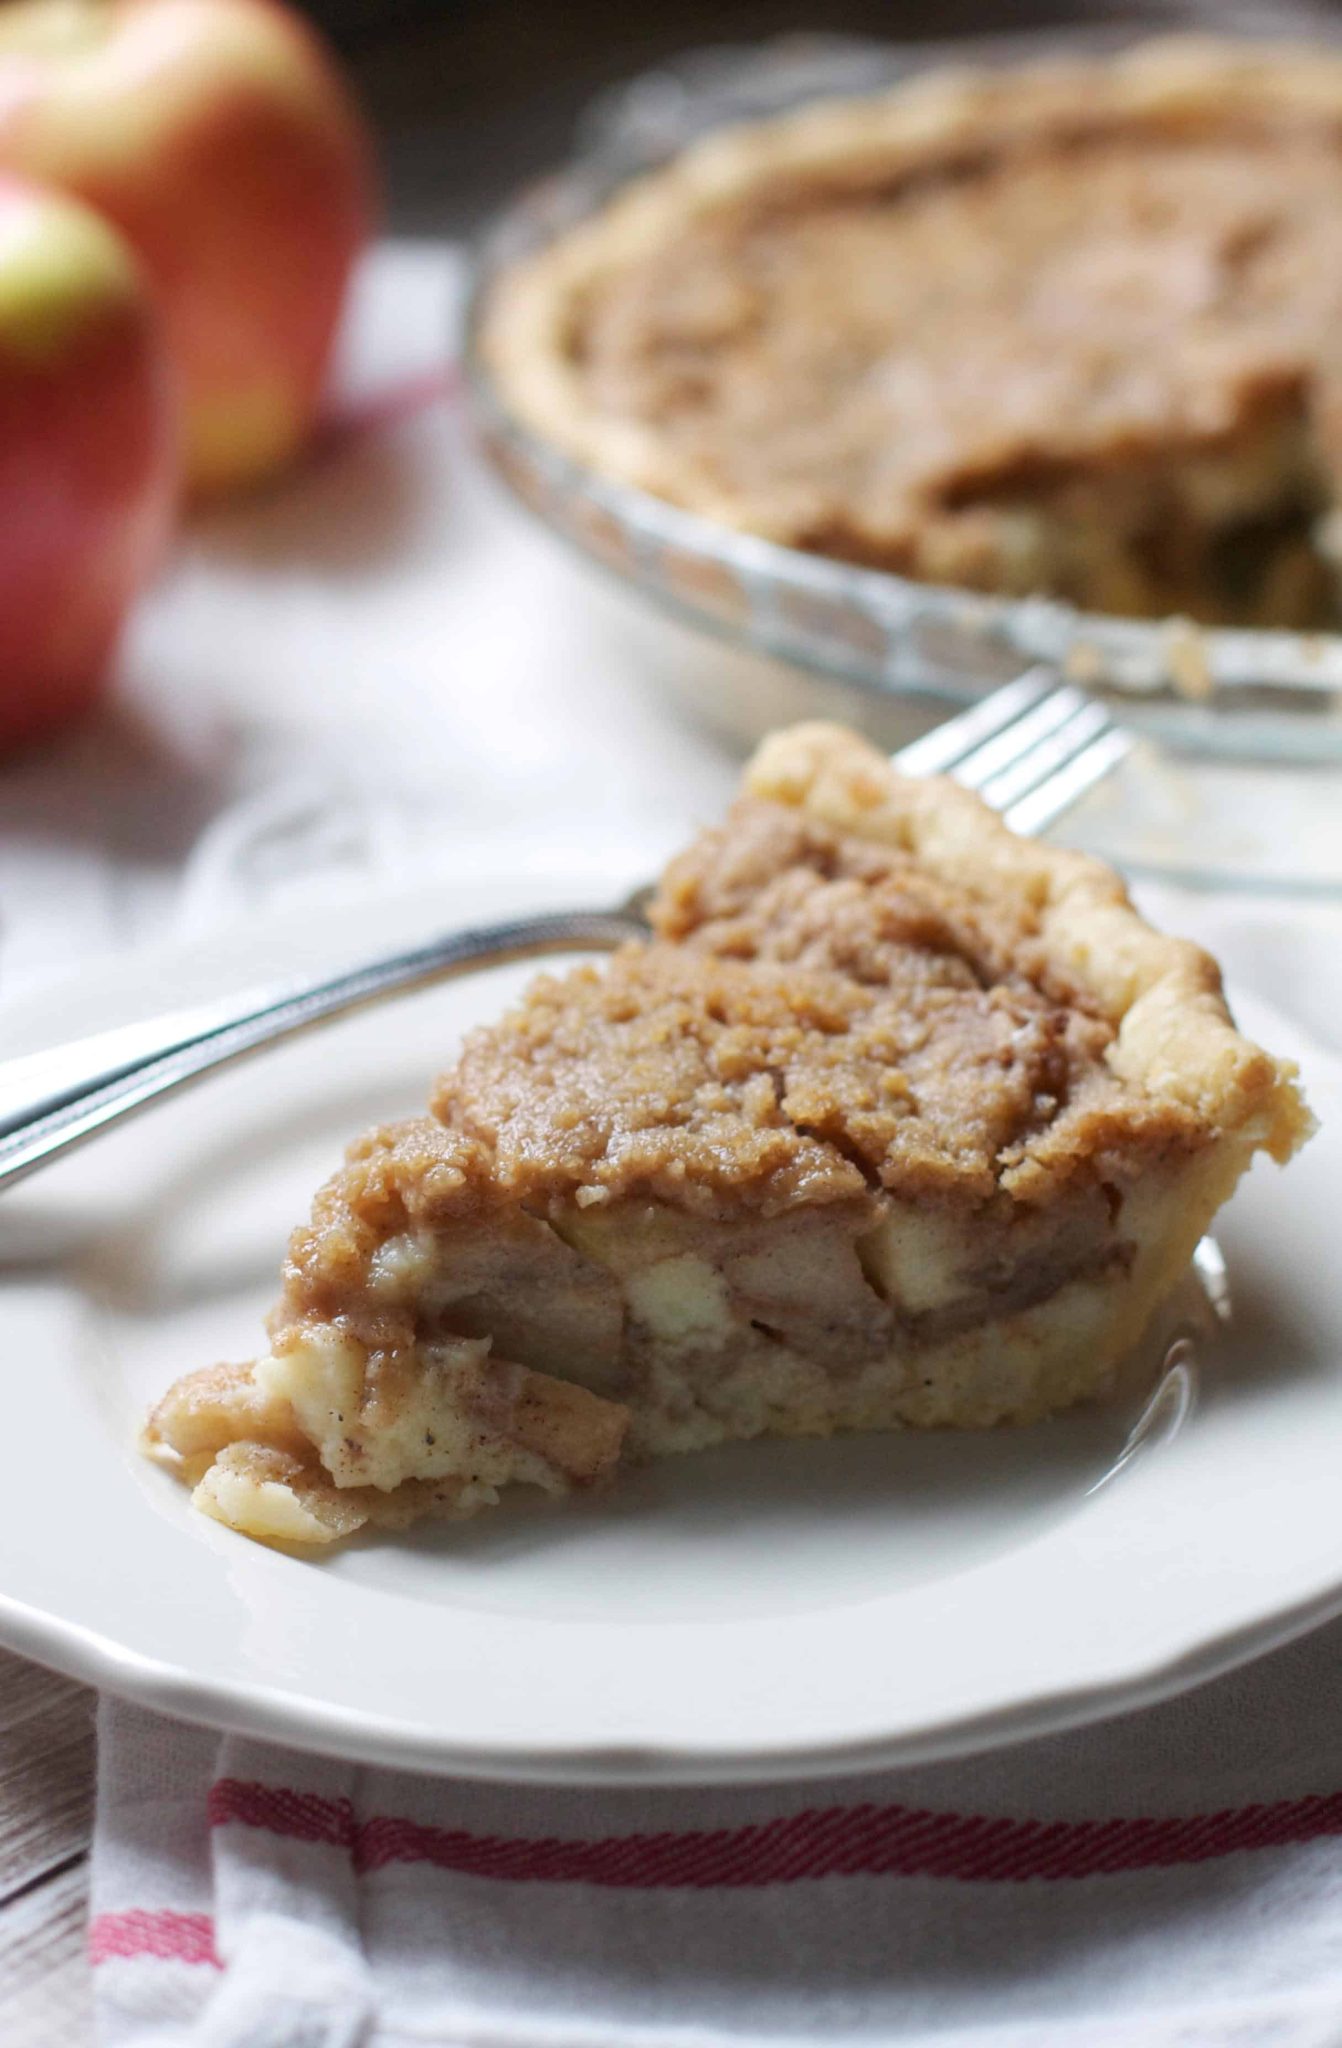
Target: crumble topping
<point>845,361</point>
<point>820,1018</point>
<point>860,988</point>
<point>1069,329</point>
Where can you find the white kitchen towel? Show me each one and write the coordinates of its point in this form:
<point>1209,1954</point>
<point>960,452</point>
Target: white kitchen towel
<point>378,659</point>
<point>1171,1879</point>
<point>360,674</point>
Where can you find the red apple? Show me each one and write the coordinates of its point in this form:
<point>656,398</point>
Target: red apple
<point>88,452</point>
<point>220,139</point>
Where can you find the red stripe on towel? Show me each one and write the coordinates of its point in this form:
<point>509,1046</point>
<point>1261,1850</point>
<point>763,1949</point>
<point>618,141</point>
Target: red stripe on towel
<point>162,1937</point>
<point>836,1841</point>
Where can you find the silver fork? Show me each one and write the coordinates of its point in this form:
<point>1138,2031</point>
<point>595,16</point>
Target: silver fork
<point>1030,750</point>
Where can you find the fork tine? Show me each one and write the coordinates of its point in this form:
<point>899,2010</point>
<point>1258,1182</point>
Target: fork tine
<point>1019,739</point>
<point>938,751</point>
<point>1060,790</point>
<point>1030,749</point>
<point>1051,752</point>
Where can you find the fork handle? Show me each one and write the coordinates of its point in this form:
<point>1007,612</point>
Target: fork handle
<point>52,1101</point>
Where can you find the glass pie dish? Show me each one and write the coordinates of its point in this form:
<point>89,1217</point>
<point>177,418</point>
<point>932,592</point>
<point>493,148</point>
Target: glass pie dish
<point>802,633</point>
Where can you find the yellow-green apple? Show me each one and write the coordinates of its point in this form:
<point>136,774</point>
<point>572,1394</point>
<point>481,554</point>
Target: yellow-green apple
<point>89,463</point>
<point>220,139</point>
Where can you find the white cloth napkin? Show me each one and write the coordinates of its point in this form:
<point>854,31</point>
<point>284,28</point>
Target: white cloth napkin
<point>374,667</point>
<point>1169,1880</point>
<point>370,666</point>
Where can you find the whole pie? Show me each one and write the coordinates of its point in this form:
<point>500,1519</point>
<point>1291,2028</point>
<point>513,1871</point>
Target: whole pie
<point>1073,329</point>
<point>895,1119</point>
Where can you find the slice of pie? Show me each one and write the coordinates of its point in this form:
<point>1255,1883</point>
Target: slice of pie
<point>896,1119</point>
<point>1074,328</point>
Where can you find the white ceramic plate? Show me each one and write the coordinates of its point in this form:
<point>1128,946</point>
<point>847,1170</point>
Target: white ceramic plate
<point>763,1611</point>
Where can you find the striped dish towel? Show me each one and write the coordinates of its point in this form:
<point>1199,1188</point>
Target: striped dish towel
<point>1171,1877</point>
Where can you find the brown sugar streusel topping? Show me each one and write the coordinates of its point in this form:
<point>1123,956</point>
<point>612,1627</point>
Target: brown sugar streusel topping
<point>819,1014</point>
<point>818,1018</point>
<point>841,360</point>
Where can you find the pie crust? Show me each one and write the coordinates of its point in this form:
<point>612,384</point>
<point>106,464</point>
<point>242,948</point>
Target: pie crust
<point>896,1119</point>
<point>1071,328</point>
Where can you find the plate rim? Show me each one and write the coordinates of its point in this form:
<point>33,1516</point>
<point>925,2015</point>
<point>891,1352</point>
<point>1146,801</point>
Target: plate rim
<point>277,1716</point>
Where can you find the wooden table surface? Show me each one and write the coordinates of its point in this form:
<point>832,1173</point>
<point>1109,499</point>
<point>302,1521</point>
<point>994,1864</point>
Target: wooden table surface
<point>46,1813</point>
